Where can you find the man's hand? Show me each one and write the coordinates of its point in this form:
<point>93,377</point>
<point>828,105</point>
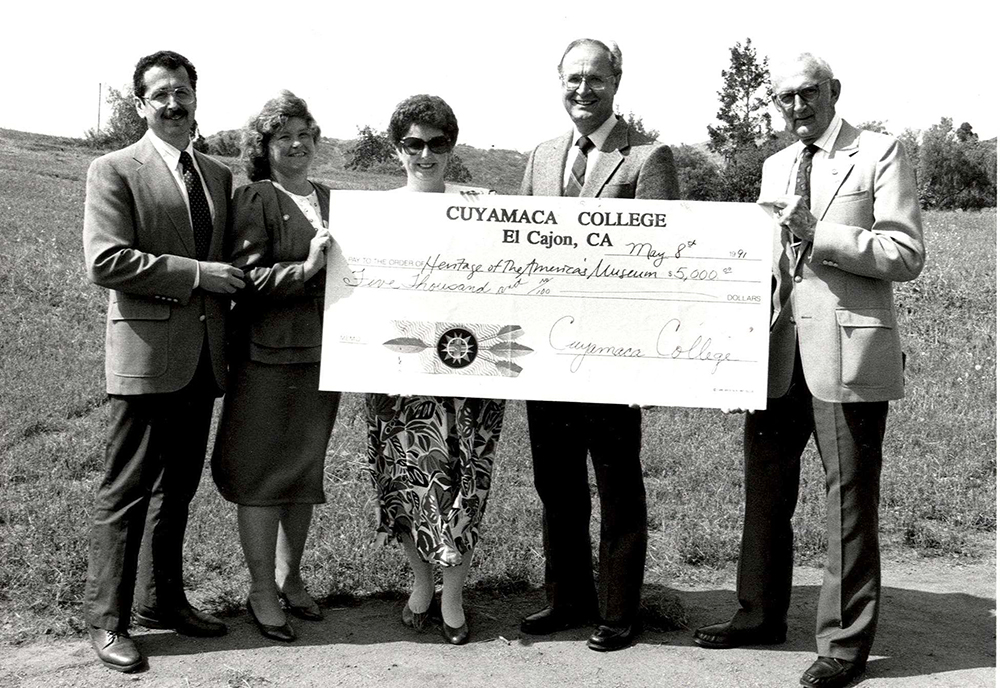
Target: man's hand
<point>318,246</point>
<point>219,278</point>
<point>729,411</point>
<point>793,214</point>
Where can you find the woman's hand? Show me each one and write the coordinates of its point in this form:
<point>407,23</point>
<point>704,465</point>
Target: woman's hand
<point>318,246</point>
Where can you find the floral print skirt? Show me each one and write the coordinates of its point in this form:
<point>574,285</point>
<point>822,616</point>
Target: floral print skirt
<point>431,462</point>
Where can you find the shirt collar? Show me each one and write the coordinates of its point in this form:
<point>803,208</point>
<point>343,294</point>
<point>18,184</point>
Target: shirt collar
<point>829,137</point>
<point>170,155</point>
<point>599,136</point>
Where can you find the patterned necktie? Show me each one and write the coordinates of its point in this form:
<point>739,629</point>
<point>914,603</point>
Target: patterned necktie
<point>575,184</point>
<point>201,216</point>
<point>805,169</point>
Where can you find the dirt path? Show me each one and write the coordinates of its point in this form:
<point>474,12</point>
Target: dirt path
<point>938,628</point>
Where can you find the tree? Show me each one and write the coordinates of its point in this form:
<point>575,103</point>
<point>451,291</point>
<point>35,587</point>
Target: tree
<point>371,149</point>
<point>698,176</point>
<point>124,126</point>
<point>875,125</point>
<point>637,126</point>
<point>744,98</point>
<point>953,172</point>
<point>224,143</point>
<point>745,138</point>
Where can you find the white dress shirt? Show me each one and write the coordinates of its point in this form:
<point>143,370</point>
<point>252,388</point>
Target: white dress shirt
<point>172,157</point>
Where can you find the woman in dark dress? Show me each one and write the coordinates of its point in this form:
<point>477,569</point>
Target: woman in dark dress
<point>431,458</point>
<point>275,425</point>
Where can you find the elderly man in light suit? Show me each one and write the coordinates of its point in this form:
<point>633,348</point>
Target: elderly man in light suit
<point>599,157</point>
<point>153,233</point>
<point>848,226</point>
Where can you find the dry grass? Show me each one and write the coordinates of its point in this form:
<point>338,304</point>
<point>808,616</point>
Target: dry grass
<point>939,481</point>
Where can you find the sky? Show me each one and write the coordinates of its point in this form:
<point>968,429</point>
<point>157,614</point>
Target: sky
<point>495,63</point>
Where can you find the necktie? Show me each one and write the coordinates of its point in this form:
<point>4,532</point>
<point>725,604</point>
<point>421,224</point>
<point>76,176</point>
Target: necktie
<point>575,183</point>
<point>788,262</point>
<point>805,169</point>
<point>201,216</point>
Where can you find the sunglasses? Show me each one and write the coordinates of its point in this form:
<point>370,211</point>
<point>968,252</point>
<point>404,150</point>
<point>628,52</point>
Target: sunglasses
<point>414,146</point>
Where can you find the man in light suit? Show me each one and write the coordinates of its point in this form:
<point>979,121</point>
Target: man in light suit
<point>599,157</point>
<point>848,226</point>
<point>153,233</point>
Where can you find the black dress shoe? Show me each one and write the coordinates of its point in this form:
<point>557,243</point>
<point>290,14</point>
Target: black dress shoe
<point>285,633</point>
<point>418,621</point>
<point>117,650</point>
<point>723,636</point>
<point>455,636</point>
<point>552,620</point>
<point>311,612</point>
<point>611,638</point>
<point>831,672</point>
<point>185,620</point>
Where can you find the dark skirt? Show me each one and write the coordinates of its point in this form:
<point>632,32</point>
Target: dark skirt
<point>271,443</point>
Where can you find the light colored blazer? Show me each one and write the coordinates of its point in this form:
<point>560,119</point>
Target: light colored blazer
<point>138,243</point>
<point>279,315</point>
<point>869,235</point>
<point>628,166</point>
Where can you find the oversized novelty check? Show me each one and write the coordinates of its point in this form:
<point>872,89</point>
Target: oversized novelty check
<point>566,299</point>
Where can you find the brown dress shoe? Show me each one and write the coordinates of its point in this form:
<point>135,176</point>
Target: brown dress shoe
<point>723,636</point>
<point>831,672</point>
<point>185,620</point>
<point>116,649</point>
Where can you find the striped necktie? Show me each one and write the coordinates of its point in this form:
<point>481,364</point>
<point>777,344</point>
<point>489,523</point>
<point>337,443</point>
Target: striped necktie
<point>575,183</point>
<point>201,216</point>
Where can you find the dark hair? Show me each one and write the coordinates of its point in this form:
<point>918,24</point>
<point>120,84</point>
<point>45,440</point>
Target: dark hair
<point>167,59</point>
<point>613,52</point>
<point>430,111</point>
<point>259,130</point>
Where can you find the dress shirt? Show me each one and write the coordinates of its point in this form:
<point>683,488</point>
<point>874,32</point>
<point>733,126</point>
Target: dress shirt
<point>825,145</point>
<point>598,138</point>
<point>172,157</point>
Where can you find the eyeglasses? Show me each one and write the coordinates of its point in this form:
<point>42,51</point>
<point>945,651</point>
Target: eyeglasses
<point>596,83</point>
<point>183,95</point>
<point>414,146</point>
<point>809,94</point>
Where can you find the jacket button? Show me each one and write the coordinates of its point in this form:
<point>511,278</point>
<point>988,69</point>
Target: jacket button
<point>798,278</point>
<point>201,318</point>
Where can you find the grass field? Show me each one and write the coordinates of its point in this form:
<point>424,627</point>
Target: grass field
<point>938,488</point>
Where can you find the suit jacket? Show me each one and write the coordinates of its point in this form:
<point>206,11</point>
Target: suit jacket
<point>628,166</point>
<point>840,305</point>
<point>278,317</point>
<point>138,242</point>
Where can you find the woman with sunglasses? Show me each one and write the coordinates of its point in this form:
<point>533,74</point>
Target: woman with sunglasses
<point>431,458</point>
<point>271,444</point>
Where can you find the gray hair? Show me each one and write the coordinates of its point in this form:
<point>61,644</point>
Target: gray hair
<point>816,65</point>
<point>610,48</point>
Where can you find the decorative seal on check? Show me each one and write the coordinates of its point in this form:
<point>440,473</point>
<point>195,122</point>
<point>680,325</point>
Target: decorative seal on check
<point>461,348</point>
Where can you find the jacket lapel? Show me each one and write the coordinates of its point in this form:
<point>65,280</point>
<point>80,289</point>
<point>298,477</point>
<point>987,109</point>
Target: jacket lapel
<point>158,178</point>
<point>828,174</point>
<point>323,194</point>
<point>551,162</point>
<point>608,159</point>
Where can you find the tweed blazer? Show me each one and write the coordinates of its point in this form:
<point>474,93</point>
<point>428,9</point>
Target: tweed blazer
<point>840,305</point>
<point>278,317</point>
<point>628,166</point>
<point>138,242</point>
